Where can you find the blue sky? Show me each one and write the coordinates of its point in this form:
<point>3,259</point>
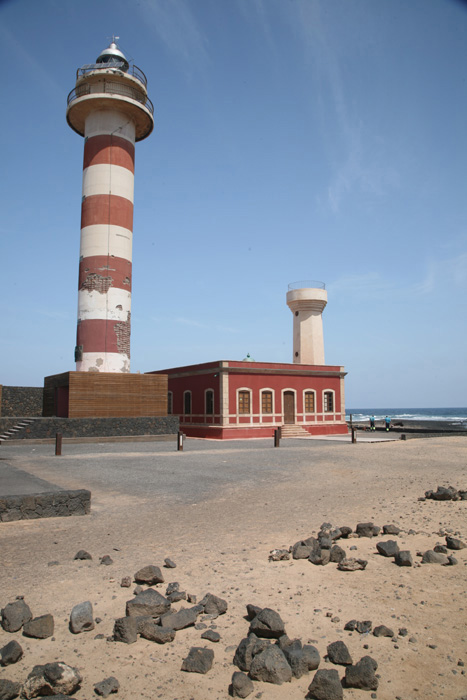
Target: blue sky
<point>294,140</point>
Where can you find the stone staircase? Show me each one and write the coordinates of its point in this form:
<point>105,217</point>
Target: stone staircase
<point>16,429</point>
<point>290,430</point>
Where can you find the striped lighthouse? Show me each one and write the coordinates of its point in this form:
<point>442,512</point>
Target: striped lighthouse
<point>109,106</point>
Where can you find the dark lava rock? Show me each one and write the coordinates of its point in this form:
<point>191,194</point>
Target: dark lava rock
<point>213,605</point>
<point>81,618</point>
<point>362,627</point>
<point>337,554</point>
<point>14,615</point>
<point>156,633</point>
<point>271,666</point>
<point>383,631</point>
<point>352,564</point>
<point>300,550</point>
<point>244,652</point>
<point>125,582</point>
<point>431,557</point>
<point>106,560</point>
<point>52,679</point>
<point>462,495</point>
<point>176,596</point>
<point>320,557</point>
<point>325,540</point>
<point>326,685</point>
<point>362,675</point>
<point>11,653</point>
<point>351,625</point>
<point>107,686</point>
<point>454,543</point>
<point>440,548</point>
<point>169,564</point>
<point>39,627</point>
<point>172,587</point>
<point>391,529</point>
<point>149,575</point>
<point>82,554</point>
<point>181,619</point>
<point>125,630</point>
<point>149,602</point>
<point>199,660</point>
<point>443,494</point>
<point>345,531</point>
<point>403,558</point>
<point>241,686</point>
<point>452,560</point>
<point>267,624</point>
<point>211,636</point>
<point>301,658</point>
<point>367,530</point>
<point>339,654</point>
<point>252,611</point>
<point>9,689</point>
<point>388,548</point>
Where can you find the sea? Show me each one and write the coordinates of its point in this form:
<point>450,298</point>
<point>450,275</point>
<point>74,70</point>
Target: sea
<point>456,416</point>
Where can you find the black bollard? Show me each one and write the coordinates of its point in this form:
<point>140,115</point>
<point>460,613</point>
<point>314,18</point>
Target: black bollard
<point>277,437</point>
<point>180,437</point>
<point>58,444</point>
<point>403,436</point>
<point>354,436</point>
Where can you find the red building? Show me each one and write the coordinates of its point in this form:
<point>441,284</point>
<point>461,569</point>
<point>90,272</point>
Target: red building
<point>231,399</point>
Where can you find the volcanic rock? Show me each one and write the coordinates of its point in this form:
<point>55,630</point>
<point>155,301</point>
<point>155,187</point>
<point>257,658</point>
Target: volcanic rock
<point>271,666</point>
<point>326,685</point>
<point>149,602</point>
<point>156,633</point>
<point>391,530</point>
<point>9,689</point>
<point>367,530</point>
<point>403,558</point>
<point>107,686</point>
<point>11,653</point>
<point>149,575</point>
<point>388,548</point>
<point>267,624</point>
<point>320,557</point>
<point>337,554</point>
<point>213,605</point>
<point>211,636</point>
<point>39,627</point>
<point>362,675</point>
<point>242,686</point>
<point>244,652</point>
<point>169,564</point>
<point>252,611</point>
<point>125,630</point>
<point>443,494</point>
<point>300,550</point>
<point>431,557</point>
<point>383,631</point>
<point>106,560</point>
<point>279,555</point>
<point>339,654</point>
<point>454,543</point>
<point>52,679</point>
<point>301,658</point>
<point>199,660</point>
<point>181,619</point>
<point>14,615</point>
<point>345,531</point>
<point>82,554</point>
<point>81,618</point>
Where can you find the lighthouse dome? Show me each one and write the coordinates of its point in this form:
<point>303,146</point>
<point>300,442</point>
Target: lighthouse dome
<point>113,55</point>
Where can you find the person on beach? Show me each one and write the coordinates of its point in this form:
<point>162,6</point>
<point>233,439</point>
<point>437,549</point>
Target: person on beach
<point>387,421</point>
<point>372,423</point>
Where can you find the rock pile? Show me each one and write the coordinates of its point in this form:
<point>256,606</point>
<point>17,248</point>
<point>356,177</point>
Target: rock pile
<point>268,655</point>
<point>448,493</point>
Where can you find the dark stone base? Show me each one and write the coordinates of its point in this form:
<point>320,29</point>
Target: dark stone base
<point>43,428</point>
<point>45,505</point>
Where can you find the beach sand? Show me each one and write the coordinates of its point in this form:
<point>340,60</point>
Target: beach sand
<point>219,529</point>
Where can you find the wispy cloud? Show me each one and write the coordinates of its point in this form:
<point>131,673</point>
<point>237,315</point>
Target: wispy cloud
<point>176,26</point>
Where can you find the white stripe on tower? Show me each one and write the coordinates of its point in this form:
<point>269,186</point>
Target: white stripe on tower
<point>104,298</point>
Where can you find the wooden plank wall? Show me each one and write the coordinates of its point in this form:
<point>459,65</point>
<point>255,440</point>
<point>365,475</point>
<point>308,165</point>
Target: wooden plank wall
<point>107,394</point>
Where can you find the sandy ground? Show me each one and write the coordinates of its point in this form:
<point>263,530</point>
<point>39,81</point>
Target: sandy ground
<point>217,510</point>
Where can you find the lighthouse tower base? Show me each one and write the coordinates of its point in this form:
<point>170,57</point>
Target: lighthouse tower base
<point>104,395</point>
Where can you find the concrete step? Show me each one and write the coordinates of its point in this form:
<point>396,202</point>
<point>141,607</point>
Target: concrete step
<point>16,429</point>
<point>290,430</point>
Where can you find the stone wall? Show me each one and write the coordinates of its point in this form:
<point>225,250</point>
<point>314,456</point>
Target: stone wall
<point>45,505</point>
<point>42,428</point>
<point>23,401</point>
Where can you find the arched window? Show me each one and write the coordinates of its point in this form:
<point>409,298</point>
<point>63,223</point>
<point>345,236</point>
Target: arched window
<point>187,403</point>
<point>309,402</point>
<point>209,402</point>
<point>170,403</point>
<point>328,401</point>
<point>266,402</point>
<point>244,403</point>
